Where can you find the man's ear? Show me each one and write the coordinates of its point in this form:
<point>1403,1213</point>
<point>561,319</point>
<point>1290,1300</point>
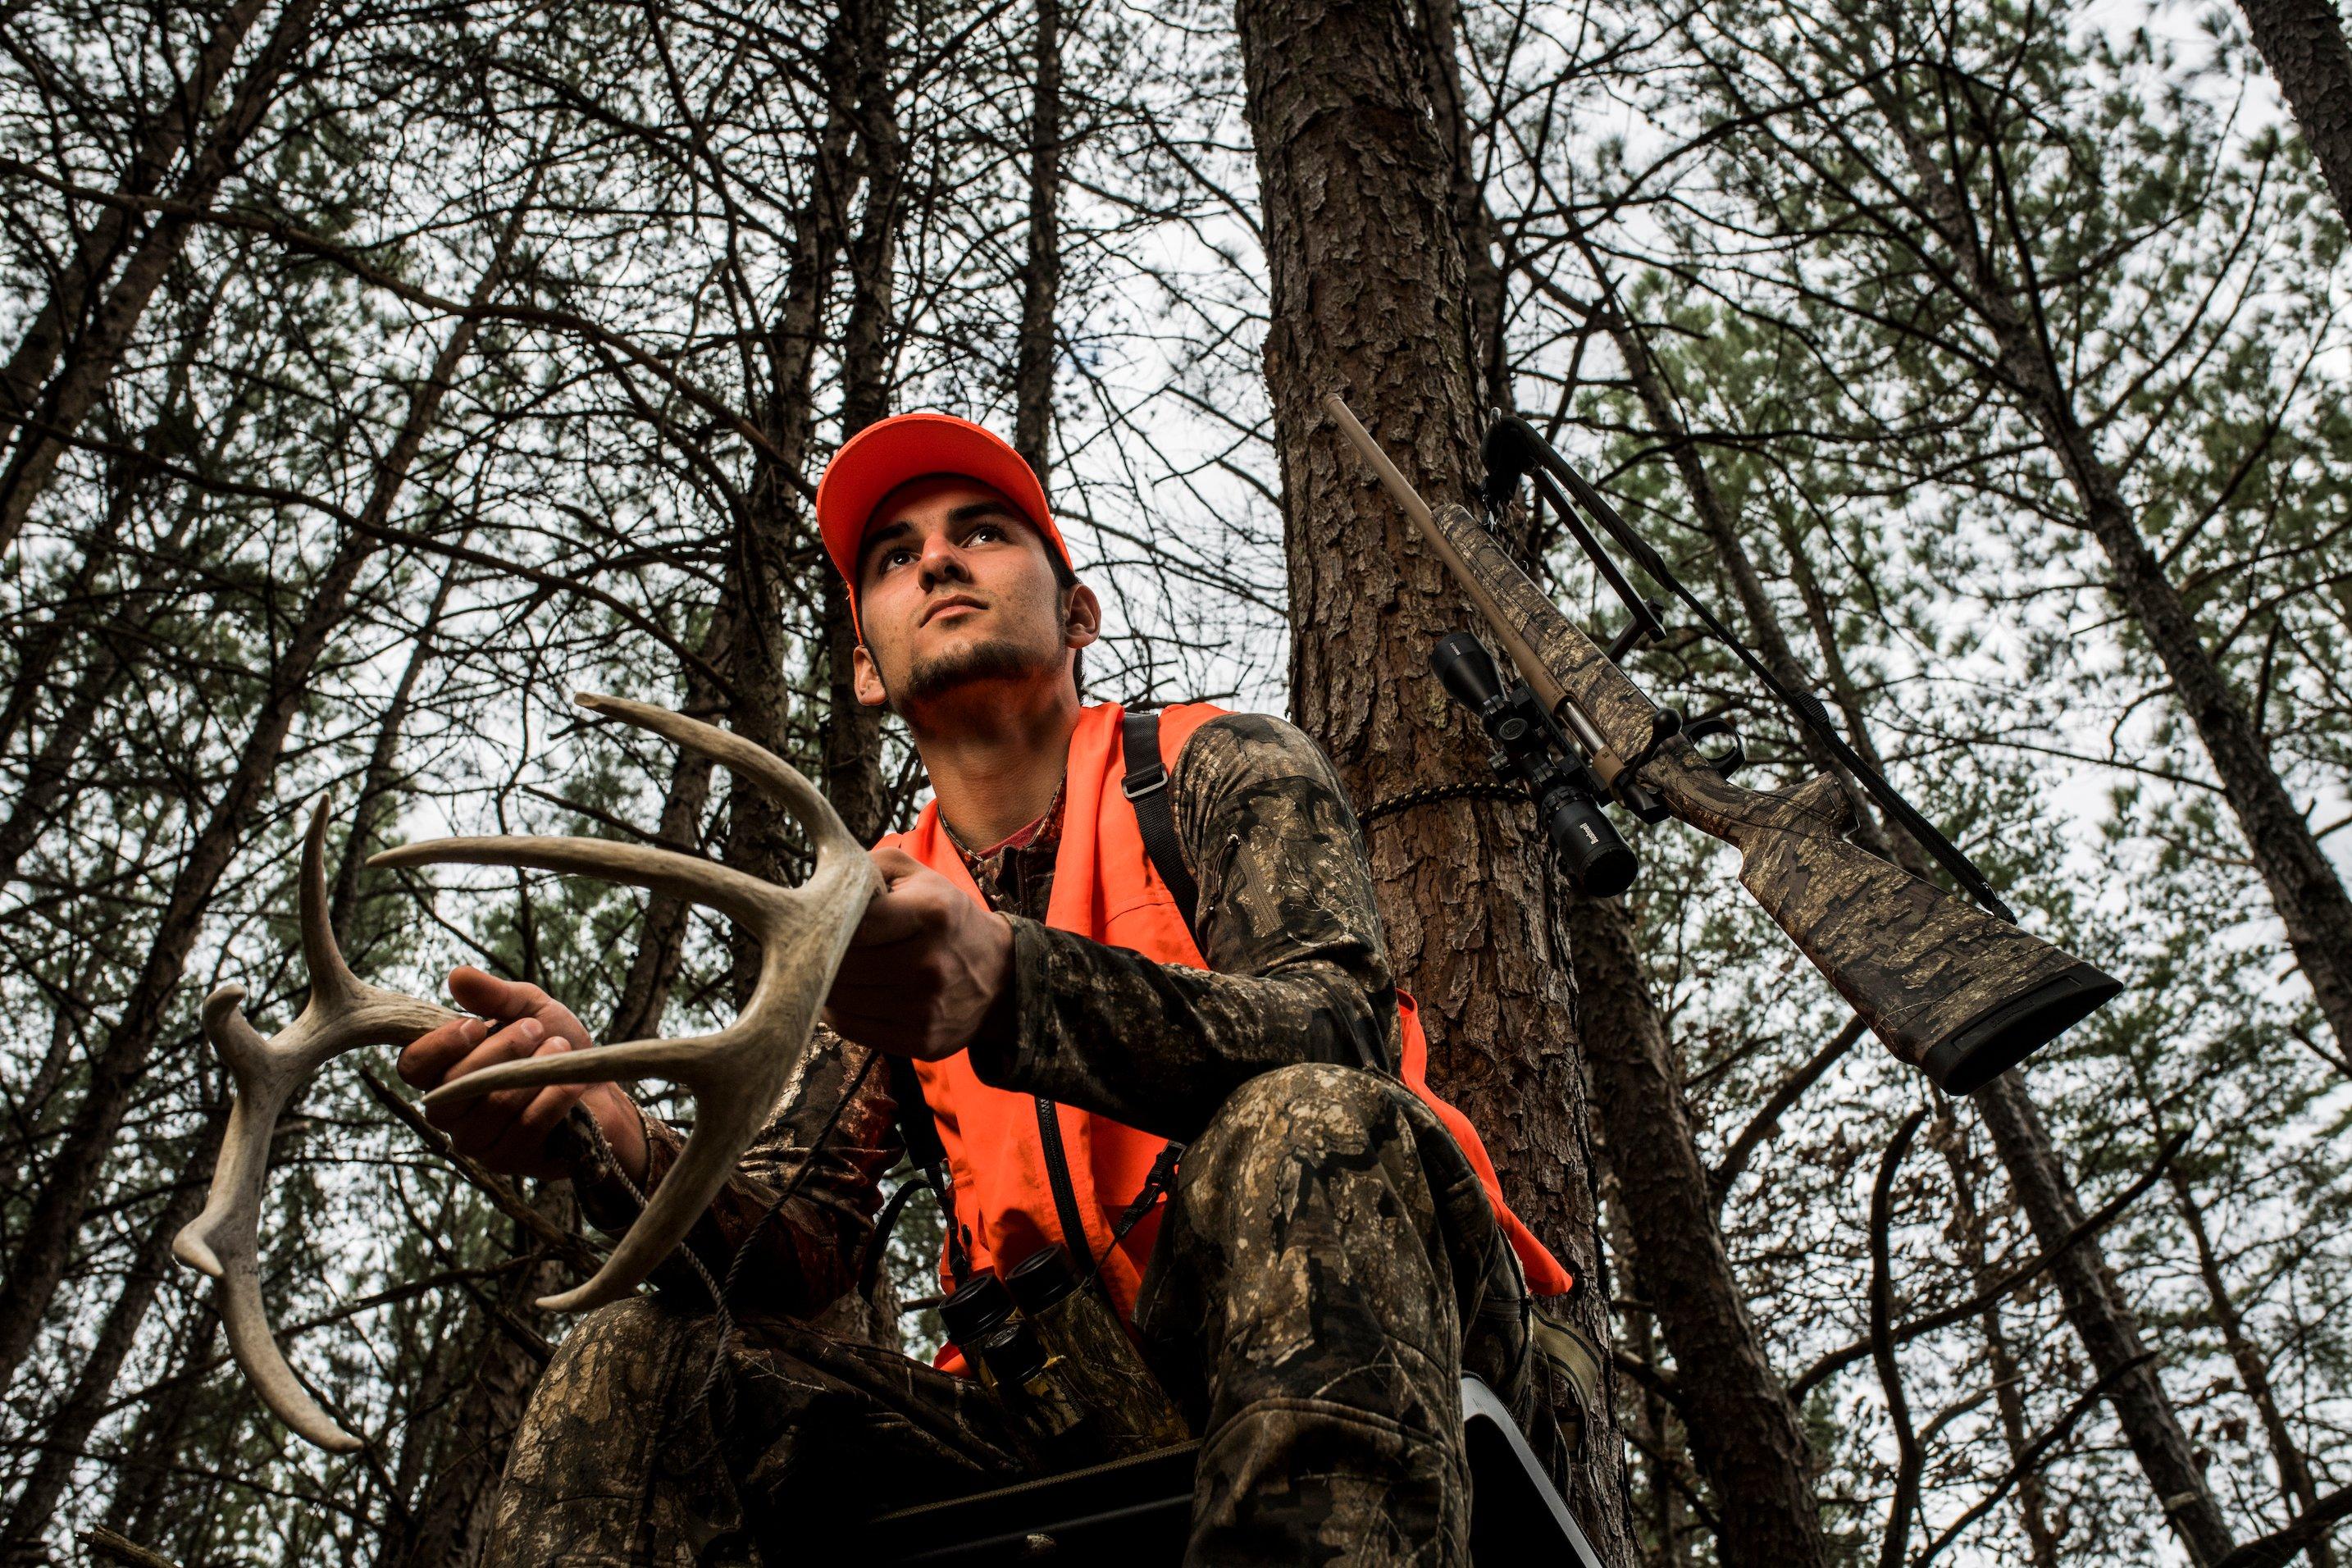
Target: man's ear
<point>866,679</point>
<point>1081,620</point>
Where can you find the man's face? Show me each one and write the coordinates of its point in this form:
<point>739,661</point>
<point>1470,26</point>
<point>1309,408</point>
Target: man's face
<point>956,591</point>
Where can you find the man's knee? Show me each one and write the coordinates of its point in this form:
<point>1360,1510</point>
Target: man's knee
<point>1307,1111</point>
<point>585,1482</point>
<point>613,1372</point>
<point>625,1350</point>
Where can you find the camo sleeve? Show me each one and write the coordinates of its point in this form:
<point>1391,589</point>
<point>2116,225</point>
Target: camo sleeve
<point>800,1251</point>
<point>1297,970</point>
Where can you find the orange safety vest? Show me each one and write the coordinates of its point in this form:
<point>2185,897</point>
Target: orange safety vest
<point>1105,888</point>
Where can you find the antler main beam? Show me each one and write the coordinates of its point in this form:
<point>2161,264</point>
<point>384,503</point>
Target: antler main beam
<point>737,1074</point>
<point>225,1241</point>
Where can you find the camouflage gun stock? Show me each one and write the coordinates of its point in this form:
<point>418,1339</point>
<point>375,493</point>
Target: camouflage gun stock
<point>1950,989</point>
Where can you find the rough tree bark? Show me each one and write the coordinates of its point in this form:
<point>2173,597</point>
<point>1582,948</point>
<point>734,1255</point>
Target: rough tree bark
<point>1484,289</point>
<point>2303,43</point>
<point>37,1263</point>
<point>1367,300</point>
<point>97,351</point>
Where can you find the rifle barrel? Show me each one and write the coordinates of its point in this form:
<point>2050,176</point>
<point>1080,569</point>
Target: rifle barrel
<point>1531,666</point>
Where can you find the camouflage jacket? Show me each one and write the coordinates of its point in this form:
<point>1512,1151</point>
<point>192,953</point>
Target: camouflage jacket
<point>1297,973</point>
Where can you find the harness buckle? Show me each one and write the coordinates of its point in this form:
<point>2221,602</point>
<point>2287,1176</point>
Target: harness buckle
<point>1144,781</point>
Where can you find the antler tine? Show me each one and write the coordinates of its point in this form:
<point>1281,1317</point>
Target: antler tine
<point>323,956</point>
<point>688,876</point>
<point>737,1074</point>
<point>224,1240</point>
<point>828,835</point>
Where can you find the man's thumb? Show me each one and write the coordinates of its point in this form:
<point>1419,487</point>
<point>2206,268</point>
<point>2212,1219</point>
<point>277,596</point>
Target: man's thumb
<point>491,998</point>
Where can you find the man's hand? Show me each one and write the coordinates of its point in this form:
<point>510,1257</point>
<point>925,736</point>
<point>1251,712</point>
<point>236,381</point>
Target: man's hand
<point>508,1131</point>
<point>927,964</point>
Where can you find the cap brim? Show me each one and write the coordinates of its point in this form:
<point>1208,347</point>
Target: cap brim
<point>893,452</point>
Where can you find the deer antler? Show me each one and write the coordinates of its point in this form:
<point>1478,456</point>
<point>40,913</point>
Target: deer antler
<point>224,1241</point>
<point>737,1074</point>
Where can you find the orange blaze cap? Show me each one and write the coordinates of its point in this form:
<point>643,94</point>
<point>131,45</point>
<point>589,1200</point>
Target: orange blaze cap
<point>890,452</point>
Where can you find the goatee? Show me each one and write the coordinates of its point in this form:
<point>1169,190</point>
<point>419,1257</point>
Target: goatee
<point>999,658</point>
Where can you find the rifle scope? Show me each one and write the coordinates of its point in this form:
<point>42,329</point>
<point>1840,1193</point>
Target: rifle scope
<point>1529,749</point>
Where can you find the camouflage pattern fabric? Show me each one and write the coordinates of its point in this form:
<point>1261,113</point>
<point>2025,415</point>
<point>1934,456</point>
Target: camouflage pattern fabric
<point>1327,1266</point>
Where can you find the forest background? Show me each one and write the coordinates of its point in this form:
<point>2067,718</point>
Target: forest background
<point>378,375</point>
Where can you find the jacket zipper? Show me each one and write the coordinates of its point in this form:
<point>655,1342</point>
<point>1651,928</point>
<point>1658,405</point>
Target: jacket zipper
<point>1065,1195</point>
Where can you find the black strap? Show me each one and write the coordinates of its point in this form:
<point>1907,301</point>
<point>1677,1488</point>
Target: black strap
<point>1146,788</point>
<point>928,1155</point>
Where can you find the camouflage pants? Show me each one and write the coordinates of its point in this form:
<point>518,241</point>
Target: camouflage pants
<point>1327,1268</point>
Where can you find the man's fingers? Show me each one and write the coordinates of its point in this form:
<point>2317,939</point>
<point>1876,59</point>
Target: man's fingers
<point>522,1142</point>
<point>912,907</point>
<point>428,1058</point>
<point>475,1118</point>
<point>477,991</point>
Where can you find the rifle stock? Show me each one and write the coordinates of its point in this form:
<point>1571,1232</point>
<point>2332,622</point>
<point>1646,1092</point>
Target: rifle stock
<point>1956,991</point>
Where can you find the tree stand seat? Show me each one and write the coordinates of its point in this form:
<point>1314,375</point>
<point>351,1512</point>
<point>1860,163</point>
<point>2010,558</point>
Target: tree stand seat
<point>1135,1512</point>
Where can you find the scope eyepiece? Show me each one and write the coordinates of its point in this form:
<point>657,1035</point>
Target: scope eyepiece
<point>1466,669</point>
<point>1597,860</point>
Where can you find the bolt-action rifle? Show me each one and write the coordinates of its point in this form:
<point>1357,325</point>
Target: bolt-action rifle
<point>1958,991</point>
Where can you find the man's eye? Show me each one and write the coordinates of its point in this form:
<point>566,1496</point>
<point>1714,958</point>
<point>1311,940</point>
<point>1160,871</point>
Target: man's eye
<point>991,531</point>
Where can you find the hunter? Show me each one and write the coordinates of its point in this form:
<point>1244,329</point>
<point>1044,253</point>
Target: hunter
<point>1307,1280</point>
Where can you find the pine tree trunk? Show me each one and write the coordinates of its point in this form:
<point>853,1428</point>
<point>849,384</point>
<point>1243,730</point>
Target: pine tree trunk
<point>2303,43</point>
<point>62,315</point>
<point>770,534</point>
<point>853,731</point>
<point>37,1263</point>
<point>2104,1322</point>
<point>661,941</point>
<point>142,1488</point>
<point>116,644</point>
<point>1041,278</point>
<point>1742,1430</point>
<point>2304,888</point>
<point>2001,1362</point>
<point>1482,272</point>
<point>453,1513</point>
<point>66,1434</point>
<point>97,351</point>
<point>372,808</point>
<point>2254,1369</point>
<point>1367,300</point>
<point>2097,1310</point>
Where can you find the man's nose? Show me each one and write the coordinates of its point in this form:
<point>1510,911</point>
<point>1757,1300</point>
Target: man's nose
<point>941,562</point>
